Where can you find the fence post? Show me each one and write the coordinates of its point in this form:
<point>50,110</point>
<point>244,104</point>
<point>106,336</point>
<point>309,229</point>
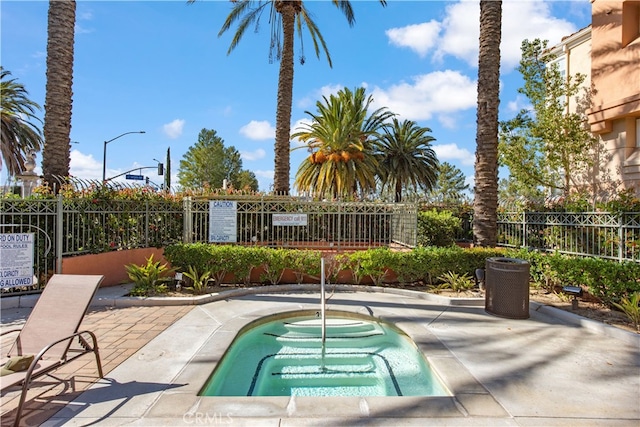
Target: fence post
<point>340,215</point>
<point>261,231</point>
<point>146,223</point>
<point>187,226</point>
<point>59,233</point>
<point>524,229</point>
<point>621,244</point>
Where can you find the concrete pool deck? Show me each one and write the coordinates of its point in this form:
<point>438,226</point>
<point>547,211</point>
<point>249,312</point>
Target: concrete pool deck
<point>546,370</point>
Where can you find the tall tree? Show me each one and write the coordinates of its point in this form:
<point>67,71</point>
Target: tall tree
<point>209,162</point>
<point>550,145</point>
<point>450,185</point>
<point>247,181</point>
<point>405,157</point>
<point>20,136</point>
<point>342,162</point>
<point>485,206</point>
<point>286,17</point>
<point>57,107</point>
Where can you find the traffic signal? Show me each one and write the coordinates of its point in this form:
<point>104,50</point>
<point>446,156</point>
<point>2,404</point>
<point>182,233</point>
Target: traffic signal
<point>160,169</point>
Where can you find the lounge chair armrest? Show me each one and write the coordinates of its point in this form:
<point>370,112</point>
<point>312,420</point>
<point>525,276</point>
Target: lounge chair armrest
<point>70,337</point>
<point>44,351</point>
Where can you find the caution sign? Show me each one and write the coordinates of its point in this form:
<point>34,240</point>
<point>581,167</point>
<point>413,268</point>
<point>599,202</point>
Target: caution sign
<point>16,259</point>
<point>223,221</point>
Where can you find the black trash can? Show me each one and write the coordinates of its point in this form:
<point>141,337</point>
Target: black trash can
<point>507,287</point>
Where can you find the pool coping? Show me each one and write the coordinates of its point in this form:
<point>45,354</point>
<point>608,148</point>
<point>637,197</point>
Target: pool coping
<point>469,397</point>
<point>164,385</point>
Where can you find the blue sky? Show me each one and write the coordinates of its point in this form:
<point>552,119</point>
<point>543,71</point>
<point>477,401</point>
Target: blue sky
<point>160,67</point>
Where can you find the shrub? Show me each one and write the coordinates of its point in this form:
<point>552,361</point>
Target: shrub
<point>146,278</point>
<point>457,282</point>
<point>199,281</point>
<point>274,263</point>
<point>304,263</point>
<point>438,228</point>
<point>183,255</point>
<point>374,262</point>
<point>631,307</point>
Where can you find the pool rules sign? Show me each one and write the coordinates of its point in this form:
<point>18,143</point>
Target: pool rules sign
<point>16,259</point>
<point>223,221</point>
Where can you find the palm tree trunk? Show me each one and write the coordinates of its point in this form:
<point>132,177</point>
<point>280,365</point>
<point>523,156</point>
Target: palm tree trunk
<point>485,206</point>
<point>58,98</point>
<point>398,197</point>
<point>285,98</point>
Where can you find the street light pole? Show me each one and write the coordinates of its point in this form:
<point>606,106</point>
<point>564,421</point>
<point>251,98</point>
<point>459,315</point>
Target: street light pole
<point>104,156</point>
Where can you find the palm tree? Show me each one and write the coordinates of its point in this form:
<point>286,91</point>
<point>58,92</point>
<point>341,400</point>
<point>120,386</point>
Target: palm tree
<point>286,17</point>
<point>485,206</point>
<point>342,160</point>
<point>406,157</point>
<point>58,99</point>
<point>19,134</point>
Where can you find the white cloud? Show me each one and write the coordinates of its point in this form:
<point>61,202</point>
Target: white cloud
<point>265,179</point>
<point>83,16</point>
<point>82,30</point>
<point>438,92</point>
<point>258,130</point>
<point>457,34</point>
<point>174,129</point>
<point>252,155</point>
<point>518,104</point>
<point>309,102</point>
<point>448,121</point>
<point>451,152</point>
<point>84,166</point>
<point>418,37</point>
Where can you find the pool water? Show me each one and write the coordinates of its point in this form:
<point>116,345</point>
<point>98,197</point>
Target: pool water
<point>282,356</point>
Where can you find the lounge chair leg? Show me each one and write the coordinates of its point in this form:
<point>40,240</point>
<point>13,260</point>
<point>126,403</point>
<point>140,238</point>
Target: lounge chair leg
<point>23,397</point>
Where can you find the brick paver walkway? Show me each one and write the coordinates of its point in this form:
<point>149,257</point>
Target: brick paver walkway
<point>121,332</point>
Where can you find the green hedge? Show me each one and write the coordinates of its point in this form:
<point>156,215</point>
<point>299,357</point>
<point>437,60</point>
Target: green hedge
<point>607,280</point>
<point>438,228</point>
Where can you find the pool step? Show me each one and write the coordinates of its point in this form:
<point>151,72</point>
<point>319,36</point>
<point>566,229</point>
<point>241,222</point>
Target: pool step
<point>309,332</point>
<point>352,373</point>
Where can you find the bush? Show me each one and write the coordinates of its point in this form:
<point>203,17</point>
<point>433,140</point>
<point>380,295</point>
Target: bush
<point>274,263</point>
<point>147,278</point>
<point>438,228</point>
<point>609,281</point>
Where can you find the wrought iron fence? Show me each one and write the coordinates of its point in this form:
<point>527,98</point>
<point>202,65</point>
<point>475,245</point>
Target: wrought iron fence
<point>67,227</point>
<point>601,234</point>
<point>331,225</point>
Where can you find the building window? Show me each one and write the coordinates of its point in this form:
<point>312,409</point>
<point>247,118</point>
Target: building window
<point>638,133</point>
<point>630,22</point>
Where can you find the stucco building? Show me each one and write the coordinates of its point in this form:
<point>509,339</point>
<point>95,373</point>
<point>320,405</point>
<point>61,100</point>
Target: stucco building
<point>615,80</point>
<point>607,53</point>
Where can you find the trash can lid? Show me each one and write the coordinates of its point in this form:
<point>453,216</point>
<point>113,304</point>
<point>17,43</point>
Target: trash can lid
<point>507,260</point>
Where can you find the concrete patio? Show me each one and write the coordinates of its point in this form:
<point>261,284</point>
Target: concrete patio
<point>551,369</point>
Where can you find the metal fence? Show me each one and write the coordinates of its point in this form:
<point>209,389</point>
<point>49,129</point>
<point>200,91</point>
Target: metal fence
<point>329,225</point>
<point>602,234</point>
<point>67,227</point>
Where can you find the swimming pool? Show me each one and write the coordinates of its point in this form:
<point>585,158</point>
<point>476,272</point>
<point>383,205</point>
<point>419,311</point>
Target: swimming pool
<point>282,355</point>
